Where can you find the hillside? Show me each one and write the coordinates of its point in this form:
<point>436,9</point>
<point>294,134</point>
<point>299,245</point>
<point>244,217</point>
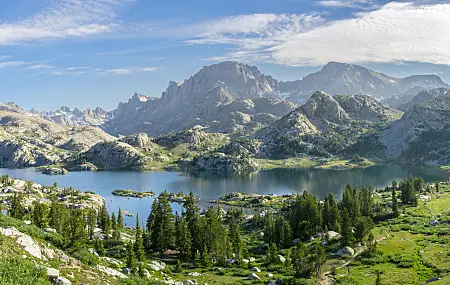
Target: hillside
<point>325,126</point>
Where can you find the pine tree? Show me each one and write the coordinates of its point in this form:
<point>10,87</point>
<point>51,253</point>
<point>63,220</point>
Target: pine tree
<point>206,260</point>
<point>77,236</point>
<point>99,247</point>
<point>347,235</point>
<point>437,187</point>
<point>16,210</point>
<point>334,223</point>
<point>271,257</point>
<point>319,259</point>
<point>301,262</point>
<point>138,244</point>
<point>119,220</point>
<point>115,228</point>
<point>395,211</point>
<point>192,215</point>
<point>183,238</point>
<point>58,217</point>
<point>235,239</point>
<point>131,258</point>
<point>286,235</point>
<point>40,214</point>
<point>91,222</point>
<point>161,224</point>
<point>104,220</point>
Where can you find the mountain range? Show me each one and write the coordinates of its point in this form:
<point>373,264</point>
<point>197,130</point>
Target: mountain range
<point>229,114</point>
<point>231,97</point>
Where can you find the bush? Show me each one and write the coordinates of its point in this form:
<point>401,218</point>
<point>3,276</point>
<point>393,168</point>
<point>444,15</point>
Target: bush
<point>85,256</point>
<point>17,271</point>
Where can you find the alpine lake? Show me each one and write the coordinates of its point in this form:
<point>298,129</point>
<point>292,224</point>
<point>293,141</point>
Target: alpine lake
<point>209,186</point>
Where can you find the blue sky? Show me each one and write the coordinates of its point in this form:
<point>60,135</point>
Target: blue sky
<point>88,53</point>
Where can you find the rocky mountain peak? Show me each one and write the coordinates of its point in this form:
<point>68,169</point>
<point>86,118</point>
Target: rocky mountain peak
<point>323,107</point>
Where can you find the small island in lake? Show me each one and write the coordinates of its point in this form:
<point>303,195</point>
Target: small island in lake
<point>132,193</point>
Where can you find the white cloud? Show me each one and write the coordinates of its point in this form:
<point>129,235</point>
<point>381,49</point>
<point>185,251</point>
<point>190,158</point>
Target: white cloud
<point>3,57</point>
<point>395,32</point>
<point>7,64</point>
<point>64,18</point>
<point>127,70</point>
<point>78,67</point>
<point>41,66</point>
<point>355,4</point>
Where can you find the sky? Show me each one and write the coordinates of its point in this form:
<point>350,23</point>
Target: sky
<point>89,53</point>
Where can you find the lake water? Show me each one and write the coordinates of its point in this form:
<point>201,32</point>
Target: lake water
<point>209,186</point>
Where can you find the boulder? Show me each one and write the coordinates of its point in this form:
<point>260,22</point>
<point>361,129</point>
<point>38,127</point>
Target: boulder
<point>256,269</point>
<point>190,282</point>
<point>281,258</point>
<point>110,271</point>
<point>269,275</point>
<point>333,235</point>
<point>52,273</point>
<point>253,276</point>
<point>62,281</point>
<point>49,230</point>
<point>126,270</point>
<point>194,274</point>
<point>346,251</point>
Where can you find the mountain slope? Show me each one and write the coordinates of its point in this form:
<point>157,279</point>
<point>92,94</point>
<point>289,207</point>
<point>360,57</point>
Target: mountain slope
<point>423,133</point>
<point>325,125</point>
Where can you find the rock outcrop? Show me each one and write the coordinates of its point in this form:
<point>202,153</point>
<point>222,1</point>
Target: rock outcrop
<point>115,155</point>
<point>421,134</point>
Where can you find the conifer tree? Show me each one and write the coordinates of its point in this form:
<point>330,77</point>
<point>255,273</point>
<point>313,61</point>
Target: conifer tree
<point>286,235</point>
<point>131,258</point>
<point>40,214</point>
<point>138,244</point>
<point>119,220</point>
<point>319,259</point>
<point>395,211</point>
<point>183,238</point>
<point>301,262</point>
<point>192,215</point>
<point>16,210</point>
<point>347,234</point>
<point>91,222</point>
<point>115,228</point>
<point>235,239</point>
<point>77,234</point>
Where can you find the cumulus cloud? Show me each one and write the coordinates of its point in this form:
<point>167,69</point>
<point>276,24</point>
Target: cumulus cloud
<point>395,32</point>
<point>63,19</point>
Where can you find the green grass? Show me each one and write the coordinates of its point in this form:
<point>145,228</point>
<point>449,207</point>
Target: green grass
<point>17,271</point>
